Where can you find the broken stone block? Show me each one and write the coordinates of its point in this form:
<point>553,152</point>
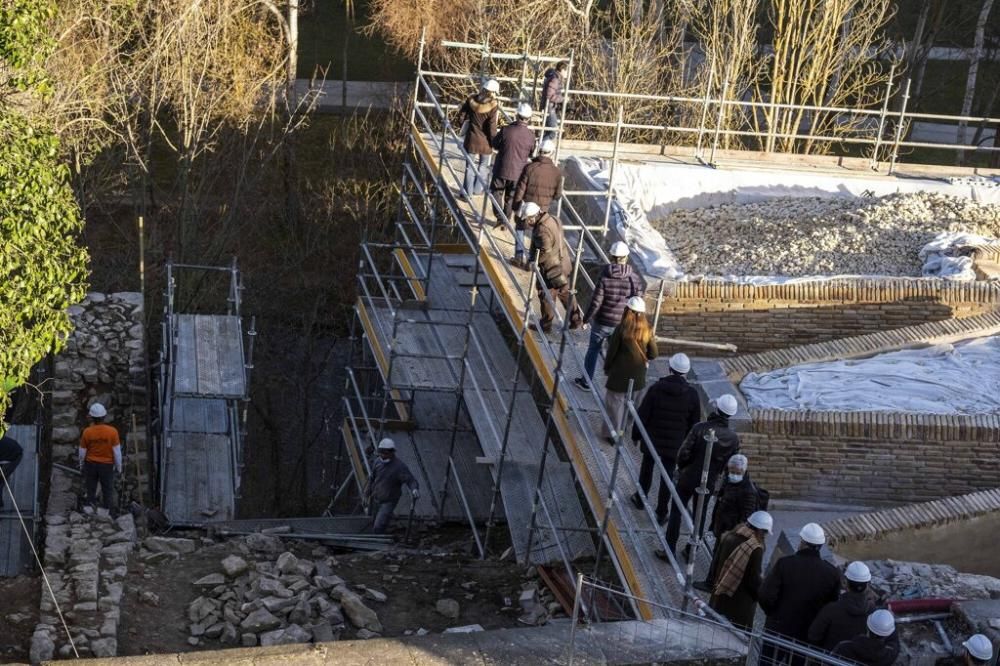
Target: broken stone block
<point>42,647</point>
<point>293,633</point>
<point>360,615</point>
<point>149,598</point>
<point>215,630</point>
<point>173,545</point>
<point>104,647</point>
<point>264,543</point>
<point>260,620</point>
<point>328,582</point>
<point>364,634</point>
<point>322,632</point>
<point>234,566</point>
<point>211,580</point>
<point>305,568</point>
<point>229,635</point>
<point>375,595</point>
<point>448,607</point>
<point>287,564</point>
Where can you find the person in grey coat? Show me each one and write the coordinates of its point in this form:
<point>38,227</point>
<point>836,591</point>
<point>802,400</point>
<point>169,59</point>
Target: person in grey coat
<point>513,144</point>
<point>385,486</point>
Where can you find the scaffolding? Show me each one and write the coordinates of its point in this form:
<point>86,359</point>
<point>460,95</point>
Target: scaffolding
<point>203,393</point>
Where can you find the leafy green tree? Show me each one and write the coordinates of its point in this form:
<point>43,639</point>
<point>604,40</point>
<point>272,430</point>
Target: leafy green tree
<point>43,269</point>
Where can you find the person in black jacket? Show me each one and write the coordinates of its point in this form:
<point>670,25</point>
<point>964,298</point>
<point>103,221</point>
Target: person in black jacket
<point>736,499</point>
<point>669,410</point>
<point>617,284</point>
<point>513,144</point>
<point>552,96</point>
<point>691,459</point>
<point>878,647</point>
<point>844,618</point>
<point>797,588</point>
<point>10,457</point>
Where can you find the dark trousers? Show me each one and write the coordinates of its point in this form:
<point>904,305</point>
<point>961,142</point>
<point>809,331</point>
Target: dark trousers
<point>686,493</point>
<point>503,192</point>
<point>103,473</point>
<point>646,482</point>
<point>562,295</point>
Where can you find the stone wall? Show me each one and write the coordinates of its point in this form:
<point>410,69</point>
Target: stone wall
<point>85,557</point>
<point>872,457</point>
<point>765,317</point>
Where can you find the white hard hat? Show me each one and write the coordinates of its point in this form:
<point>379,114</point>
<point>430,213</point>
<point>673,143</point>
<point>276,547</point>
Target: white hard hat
<point>387,445</point>
<point>738,460</point>
<point>858,572</point>
<point>813,534</point>
<point>523,110</point>
<point>530,209</point>
<point>881,623</point>
<point>547,147</point>
<point>980,647</point>
<point>492,85</point>
<point>680,363</point>
<point>619,249</point>
<point>636,304</point>
<point>97,411</point>
<point>727,405</point>
<point>762,520</point>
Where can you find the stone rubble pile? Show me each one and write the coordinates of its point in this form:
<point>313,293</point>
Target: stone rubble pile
<point>794,237</point>
<point>86,560</point>
<point>913,580</point>
<point>266,595</point>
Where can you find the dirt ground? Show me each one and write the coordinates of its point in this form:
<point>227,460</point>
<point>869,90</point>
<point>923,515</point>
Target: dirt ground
<point>19,598</point>
<point>486,590</point>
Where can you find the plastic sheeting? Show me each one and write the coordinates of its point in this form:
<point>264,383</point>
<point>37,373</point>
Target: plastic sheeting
<point>946,255</point>
<point>651,190</point>
<point>942,379</point>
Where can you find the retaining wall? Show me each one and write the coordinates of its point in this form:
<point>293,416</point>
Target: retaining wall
<point>872,457</point>
<point>758,318</point>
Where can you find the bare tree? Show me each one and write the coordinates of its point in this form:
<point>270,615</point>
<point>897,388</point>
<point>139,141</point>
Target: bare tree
<point>974,60</point>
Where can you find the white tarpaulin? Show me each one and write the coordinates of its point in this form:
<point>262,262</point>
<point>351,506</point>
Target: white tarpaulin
<point>652,190</point>
<point>943,379</point>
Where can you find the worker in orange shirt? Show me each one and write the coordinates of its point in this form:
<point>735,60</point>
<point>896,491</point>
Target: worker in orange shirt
<point>100,457</point>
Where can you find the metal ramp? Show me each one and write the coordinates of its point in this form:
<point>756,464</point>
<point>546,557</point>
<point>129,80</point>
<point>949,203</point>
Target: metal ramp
<point>15,551</point>
<point>202,389</point>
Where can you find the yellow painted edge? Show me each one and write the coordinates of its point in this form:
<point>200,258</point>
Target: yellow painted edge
<point>566,432</point>
<point>421,144</point>
<point>415,284</point>
<point>352,449</point>
<point>380,358</point>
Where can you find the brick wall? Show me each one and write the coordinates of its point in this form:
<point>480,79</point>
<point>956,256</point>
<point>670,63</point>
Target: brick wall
<point>765,317</point>
<point>872,457</point>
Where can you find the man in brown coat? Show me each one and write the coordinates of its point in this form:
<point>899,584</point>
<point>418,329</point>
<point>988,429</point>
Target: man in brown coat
<point>736,569</point>
<point>514,144</point>
<point>549,245</point>
<point>540,182</point>
<point>481,111</point>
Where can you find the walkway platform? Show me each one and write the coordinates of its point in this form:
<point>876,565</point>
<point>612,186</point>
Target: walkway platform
<point>488,394</point>
<point>15,551</point>
<point>209,352</point>
<point>631,534</point>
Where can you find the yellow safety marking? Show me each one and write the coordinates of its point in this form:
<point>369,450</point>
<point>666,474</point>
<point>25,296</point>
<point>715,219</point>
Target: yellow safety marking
<point>415,284</point>
<point>421,144</point>
<point>352,449</point>
<point>383,362</point>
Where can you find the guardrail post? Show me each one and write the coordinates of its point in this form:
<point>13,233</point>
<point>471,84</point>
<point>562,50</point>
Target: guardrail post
<point>562,112</point>
<point>659,302</point>
<point>899,128</point>
<point>697,528</point>
<point>704,109</point>
<point>718,118</point>
<point>577,592</point>
<point>420,68</point>
<point>881,119</point>
<point>611,173</point>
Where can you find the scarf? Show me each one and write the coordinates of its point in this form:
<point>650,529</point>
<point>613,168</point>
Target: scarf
<point>735,566</point>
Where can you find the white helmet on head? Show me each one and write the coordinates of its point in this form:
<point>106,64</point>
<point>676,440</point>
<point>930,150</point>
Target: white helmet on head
<point>762,520</point>
<point>680,363</point>
<point>636,304</point>
<point>881,623</point>
<point>813,534</point>
<point>492,85</point>
<point>618,249</point>
<point>523,110</point>
<point>858,572</point>
<point>739,461</point>
<point>387,445</point>
<point>979,647</point>
<point>727,405</point>
<point>97,411</point>
<point>547,147</point>
<point>530,209</point>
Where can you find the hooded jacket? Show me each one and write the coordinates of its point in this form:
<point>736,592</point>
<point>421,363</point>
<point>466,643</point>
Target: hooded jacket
<point>618,283</point>
<point>514,144</point>
<point>551,89</point>
<point>692,454</point>
<point>668,411</point>
<point>481,111</point>
<point>870,650</point>
<point>794,592</point>
<point>733,505</point>
<point>387,480</point>
<point>553,257</point>
<point>841,620</point>
<point>626,362</point>
<point>540,183</point>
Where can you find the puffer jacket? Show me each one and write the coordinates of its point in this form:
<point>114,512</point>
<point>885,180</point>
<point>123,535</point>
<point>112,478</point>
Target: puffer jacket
<point>551,88</point>
<point>692,454</point>
<point>841,620</point>
<point>482,112</point>
<point>668,411</point>
<point>733,505</point>
<point>553,255</point>
<point>870,650</point>
<point>540,183</point>
<point>616,285</point>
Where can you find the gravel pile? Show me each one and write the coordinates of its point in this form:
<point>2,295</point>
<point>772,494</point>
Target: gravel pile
<point>797,237</point>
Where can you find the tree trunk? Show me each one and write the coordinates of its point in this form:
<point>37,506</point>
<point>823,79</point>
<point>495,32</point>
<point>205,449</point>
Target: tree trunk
<point>924,53</point>
<point>970,83</point>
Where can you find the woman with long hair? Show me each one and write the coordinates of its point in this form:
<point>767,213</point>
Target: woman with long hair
<point>630,349</point>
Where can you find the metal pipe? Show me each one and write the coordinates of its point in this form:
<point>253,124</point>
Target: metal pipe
<point>699,512</point>
<point>704,109</point>
<point>577,591</point>
<point>611,173</point>
<point>881,118</point>
<point>718,119</point>
<point>722,346</point>
<point>659,303</point>
<point>899,128</point>
<point>565,100</point>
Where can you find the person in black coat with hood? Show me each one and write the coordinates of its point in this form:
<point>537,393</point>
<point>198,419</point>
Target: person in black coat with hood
<point>844,618</point>
<point>670,409</point>
<point>879,646</point>
<point>691,459</point>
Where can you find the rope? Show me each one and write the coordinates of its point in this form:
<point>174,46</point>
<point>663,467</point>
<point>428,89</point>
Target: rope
<point>45,577</point>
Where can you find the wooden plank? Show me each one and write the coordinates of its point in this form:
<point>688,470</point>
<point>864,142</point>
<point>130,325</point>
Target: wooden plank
<point>185,358</point>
